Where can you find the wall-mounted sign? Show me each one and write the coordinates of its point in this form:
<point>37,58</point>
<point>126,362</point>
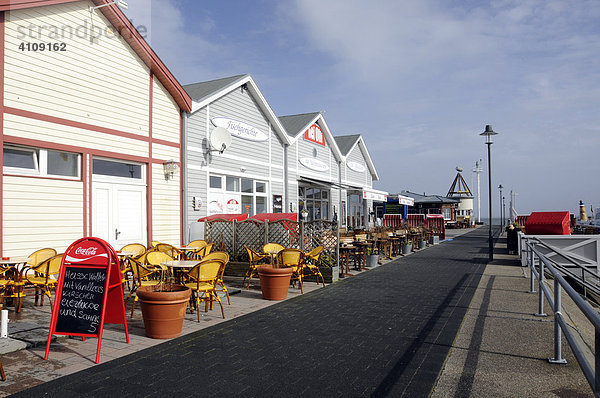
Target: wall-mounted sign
<point>233,206</point>
<point>314,134</point>
<point>314,164</point>
<point>240,129</point>
<point>374,196</point>
<point>277,204</point>
<point>358,167</point>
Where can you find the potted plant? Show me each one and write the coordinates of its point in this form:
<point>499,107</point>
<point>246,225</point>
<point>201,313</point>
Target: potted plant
<point>163,309</point>
<point>406,247</point>
<point>372,259</point>
<point>274,281</point>
<point>422,244</point>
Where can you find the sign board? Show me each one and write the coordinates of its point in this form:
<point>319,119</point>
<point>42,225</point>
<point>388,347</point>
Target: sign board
<point>277,204</point>
<point>374,196</point>
<point>89,292</point>
<point>315,134</point>
<point>358,167</point>
<point>240,129</point>
<point>406,200</point>
<point>314,164</point>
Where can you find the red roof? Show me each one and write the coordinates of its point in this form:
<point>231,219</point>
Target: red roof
<point>275,216</point>
<point>229,217</point>
<point>548,223</point>
<point>131,36</point>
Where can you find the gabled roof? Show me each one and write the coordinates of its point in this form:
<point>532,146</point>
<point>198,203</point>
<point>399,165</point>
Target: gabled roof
<point>429,198</point>
<point>346,142</point>
<point>199,91</point>
<point>296,124</point>
<point>299,123</point>
<point>349,142</point>
<point>116,17</point>
<point>204,93</point>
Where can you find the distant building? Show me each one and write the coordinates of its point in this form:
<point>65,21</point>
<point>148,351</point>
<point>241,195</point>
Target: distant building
<point>460,190</point>
<point>433,204</point>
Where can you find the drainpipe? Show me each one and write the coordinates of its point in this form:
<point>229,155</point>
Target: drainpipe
<point>184,188</point>
<point>285,179</point>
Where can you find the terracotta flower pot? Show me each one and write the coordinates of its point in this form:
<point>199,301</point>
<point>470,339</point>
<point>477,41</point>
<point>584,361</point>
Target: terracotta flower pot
<point>274,282</point>
<point>163,311</point>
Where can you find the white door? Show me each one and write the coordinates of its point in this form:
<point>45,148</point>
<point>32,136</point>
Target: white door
<point>119,213</point>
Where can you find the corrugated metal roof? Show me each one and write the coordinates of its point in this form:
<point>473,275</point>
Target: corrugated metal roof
<point>346,142</point>
<point>199,91</point>
<point>294,123</point>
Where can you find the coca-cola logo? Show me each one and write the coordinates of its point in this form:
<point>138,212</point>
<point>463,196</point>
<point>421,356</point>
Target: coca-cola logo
<point>86,251</point>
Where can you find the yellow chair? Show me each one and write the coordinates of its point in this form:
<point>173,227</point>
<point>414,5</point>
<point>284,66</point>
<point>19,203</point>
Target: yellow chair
<point>196,246</point>
<point>206,250</point>
<point>35,259</point>
<point>154,259</point>
<point>315,258</point>
<point>143,275</point>
<point>5,282</point>
<point>126,270</point>
<point>254,258</point>
<point>272,249</point>
<point>293,258</point>
<point>45,276</point>
<point>203,280</point>
<point>223,256</point>
<point>169,249</point>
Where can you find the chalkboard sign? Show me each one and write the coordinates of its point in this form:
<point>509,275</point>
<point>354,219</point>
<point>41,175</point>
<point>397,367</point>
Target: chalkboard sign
<point>277,204</point>
<point>81,301</point>
<point>89,292</point>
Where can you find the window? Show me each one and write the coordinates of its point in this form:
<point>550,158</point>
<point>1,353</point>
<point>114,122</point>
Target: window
<point>116,169</point>
<point>315,202</point>
<point>63,163</point>
<point>232,184</point>
<point>247,185</point>
<point>447,213</point>
<point>41,162</point>
<point>216,182</point>
<point>22,158</point>
<point>251,194</point>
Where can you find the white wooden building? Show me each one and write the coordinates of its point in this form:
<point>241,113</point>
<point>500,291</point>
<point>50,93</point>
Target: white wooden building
<point>89,119</point>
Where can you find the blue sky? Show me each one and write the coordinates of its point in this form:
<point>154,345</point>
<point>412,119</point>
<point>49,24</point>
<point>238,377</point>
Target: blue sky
<point>419,80</point>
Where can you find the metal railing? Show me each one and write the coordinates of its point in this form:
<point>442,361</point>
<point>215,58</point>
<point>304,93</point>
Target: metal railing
<point>535,258</point>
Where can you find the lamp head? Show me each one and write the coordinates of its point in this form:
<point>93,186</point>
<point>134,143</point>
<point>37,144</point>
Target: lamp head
<point>488,133</point>
<point>500,186</point>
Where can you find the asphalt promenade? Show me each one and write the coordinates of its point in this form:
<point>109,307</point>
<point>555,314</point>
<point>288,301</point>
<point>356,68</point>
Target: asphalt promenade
<point>386,332</point>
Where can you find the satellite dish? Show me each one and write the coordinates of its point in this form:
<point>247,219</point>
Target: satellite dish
<point>459,169</point>
<point>220,139</point>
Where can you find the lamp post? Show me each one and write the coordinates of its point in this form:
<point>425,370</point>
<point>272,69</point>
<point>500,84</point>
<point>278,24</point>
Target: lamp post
<point>488,133</point>
<point>504,210</point>
<point>501,215</point>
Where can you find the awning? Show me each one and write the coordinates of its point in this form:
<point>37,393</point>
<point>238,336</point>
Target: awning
<point>229,217</point>
<point>321,183</point>
<point>275,216</point>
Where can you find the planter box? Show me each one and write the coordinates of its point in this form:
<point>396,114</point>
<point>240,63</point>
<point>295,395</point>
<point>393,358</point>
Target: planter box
<point>331,274</point>
<point>406,249</point>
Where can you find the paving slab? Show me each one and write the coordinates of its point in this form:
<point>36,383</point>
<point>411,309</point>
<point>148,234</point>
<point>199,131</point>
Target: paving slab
<point>384,332</point>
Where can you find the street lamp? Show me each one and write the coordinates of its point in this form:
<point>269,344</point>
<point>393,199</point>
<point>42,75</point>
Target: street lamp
<point>501,216</point>
<point>504,210</point>
<point>488,133</point>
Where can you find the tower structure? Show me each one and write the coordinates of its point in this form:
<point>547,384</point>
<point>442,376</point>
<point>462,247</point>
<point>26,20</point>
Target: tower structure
<point>461,191</point>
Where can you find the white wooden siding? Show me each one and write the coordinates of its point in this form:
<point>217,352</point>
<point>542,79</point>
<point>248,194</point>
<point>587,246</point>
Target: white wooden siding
<point>166,119</point>
<point>60,134</point>
<point>354,177</point>
<point>165,207</point>
<point>41,213</point>
<point>102,83</point>
<point>241,106</point>
<point>165,152</point>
